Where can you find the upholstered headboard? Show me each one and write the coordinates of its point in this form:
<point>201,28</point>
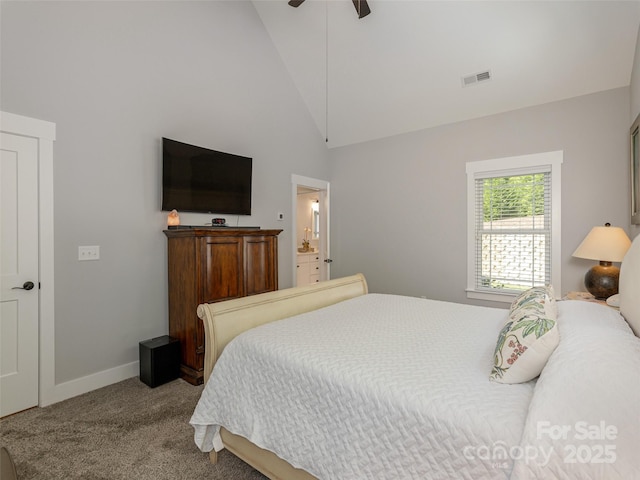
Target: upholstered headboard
<point>223,321</point>
<point>629,287</point>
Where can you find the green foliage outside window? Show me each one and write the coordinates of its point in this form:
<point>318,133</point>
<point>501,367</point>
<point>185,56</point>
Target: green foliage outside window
<point>513,197</point>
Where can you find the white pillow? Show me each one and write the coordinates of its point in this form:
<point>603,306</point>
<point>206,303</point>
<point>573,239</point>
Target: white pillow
<point>584,411</point>
<point>528,338</point>
<point>629,285</point>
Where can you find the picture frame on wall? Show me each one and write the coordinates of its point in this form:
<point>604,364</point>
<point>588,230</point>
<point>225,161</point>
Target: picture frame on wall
<point>635,172</point>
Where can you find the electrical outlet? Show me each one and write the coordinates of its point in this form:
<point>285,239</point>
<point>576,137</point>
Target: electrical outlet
<point>89,253</point>
<point>280,216</point>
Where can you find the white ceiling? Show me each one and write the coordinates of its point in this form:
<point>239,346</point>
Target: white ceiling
<point>399,69</point>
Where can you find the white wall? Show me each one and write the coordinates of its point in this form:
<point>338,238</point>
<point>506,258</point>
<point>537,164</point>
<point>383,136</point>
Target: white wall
<point>115,77</point>
<point>402,200</point>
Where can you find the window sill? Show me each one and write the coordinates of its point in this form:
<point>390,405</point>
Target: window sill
<point>491,297</point>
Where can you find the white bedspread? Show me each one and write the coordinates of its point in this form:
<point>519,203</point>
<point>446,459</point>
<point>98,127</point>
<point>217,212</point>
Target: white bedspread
<point>585,412</point>
<point>378,387</point>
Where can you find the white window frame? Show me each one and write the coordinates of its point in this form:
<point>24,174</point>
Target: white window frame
<point>508,166</point>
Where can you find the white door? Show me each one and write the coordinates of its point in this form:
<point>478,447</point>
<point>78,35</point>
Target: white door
<point>18,273</point>
<point>325,250</point>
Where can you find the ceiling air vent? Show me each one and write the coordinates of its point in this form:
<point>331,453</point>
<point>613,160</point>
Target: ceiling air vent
<point>476,78</point>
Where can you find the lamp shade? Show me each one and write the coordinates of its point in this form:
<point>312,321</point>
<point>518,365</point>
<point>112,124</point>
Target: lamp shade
<point>608,244</point>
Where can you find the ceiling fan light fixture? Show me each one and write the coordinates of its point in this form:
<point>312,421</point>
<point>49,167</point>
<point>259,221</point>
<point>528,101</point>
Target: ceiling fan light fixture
<point>362,7</point>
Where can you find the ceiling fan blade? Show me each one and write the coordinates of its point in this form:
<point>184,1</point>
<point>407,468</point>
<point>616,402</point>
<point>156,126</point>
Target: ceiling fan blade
<point>295,3</point>
<point>362,7</point>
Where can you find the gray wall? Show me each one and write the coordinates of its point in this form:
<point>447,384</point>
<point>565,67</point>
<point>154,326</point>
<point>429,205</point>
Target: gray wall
<point>115,77</point>
<point>402,216</point>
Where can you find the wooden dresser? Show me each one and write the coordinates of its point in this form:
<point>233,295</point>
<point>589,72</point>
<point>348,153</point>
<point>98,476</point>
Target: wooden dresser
<point>209,265</point>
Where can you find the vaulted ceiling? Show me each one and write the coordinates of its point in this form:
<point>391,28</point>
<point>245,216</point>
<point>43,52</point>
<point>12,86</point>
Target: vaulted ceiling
<point>401,68</point>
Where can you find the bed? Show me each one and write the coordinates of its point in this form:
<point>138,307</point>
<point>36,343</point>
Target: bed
<point>330,381</point>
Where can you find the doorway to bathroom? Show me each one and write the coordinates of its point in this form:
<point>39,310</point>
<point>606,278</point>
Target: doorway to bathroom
<point>311,227</point>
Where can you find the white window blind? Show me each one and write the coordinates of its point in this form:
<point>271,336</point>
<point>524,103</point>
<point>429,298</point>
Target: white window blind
<point>513,225</point>
<point>513,231</point>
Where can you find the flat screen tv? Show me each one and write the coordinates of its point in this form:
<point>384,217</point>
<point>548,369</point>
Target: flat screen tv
<point>196,179</point>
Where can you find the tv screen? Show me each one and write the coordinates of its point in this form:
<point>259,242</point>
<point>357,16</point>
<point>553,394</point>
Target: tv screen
<point>196,179</point>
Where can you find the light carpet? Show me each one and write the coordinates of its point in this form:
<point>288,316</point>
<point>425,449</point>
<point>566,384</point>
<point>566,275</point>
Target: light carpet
<point>124,431</point>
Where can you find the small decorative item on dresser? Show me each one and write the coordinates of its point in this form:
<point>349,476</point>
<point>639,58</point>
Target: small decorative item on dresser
<point>173,218</point>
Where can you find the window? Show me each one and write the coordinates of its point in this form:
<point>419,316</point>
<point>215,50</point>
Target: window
<point>513,226</point>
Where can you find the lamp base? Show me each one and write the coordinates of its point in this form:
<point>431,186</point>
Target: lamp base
<point>601,280</point>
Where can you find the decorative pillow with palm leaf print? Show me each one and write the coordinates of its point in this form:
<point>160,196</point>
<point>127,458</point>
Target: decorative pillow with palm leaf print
<point>528,338</point>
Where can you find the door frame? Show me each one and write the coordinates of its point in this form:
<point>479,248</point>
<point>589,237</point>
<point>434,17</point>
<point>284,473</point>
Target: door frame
<point>325,235</point>
<point>45,133</point>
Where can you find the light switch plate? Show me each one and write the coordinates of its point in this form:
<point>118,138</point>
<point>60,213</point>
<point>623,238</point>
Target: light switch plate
<point>89,253</point>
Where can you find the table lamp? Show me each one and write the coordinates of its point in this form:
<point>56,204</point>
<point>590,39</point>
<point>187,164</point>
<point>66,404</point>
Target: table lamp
<point>606,244</point>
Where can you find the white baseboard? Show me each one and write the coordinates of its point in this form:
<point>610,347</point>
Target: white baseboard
<point>73,388</point>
